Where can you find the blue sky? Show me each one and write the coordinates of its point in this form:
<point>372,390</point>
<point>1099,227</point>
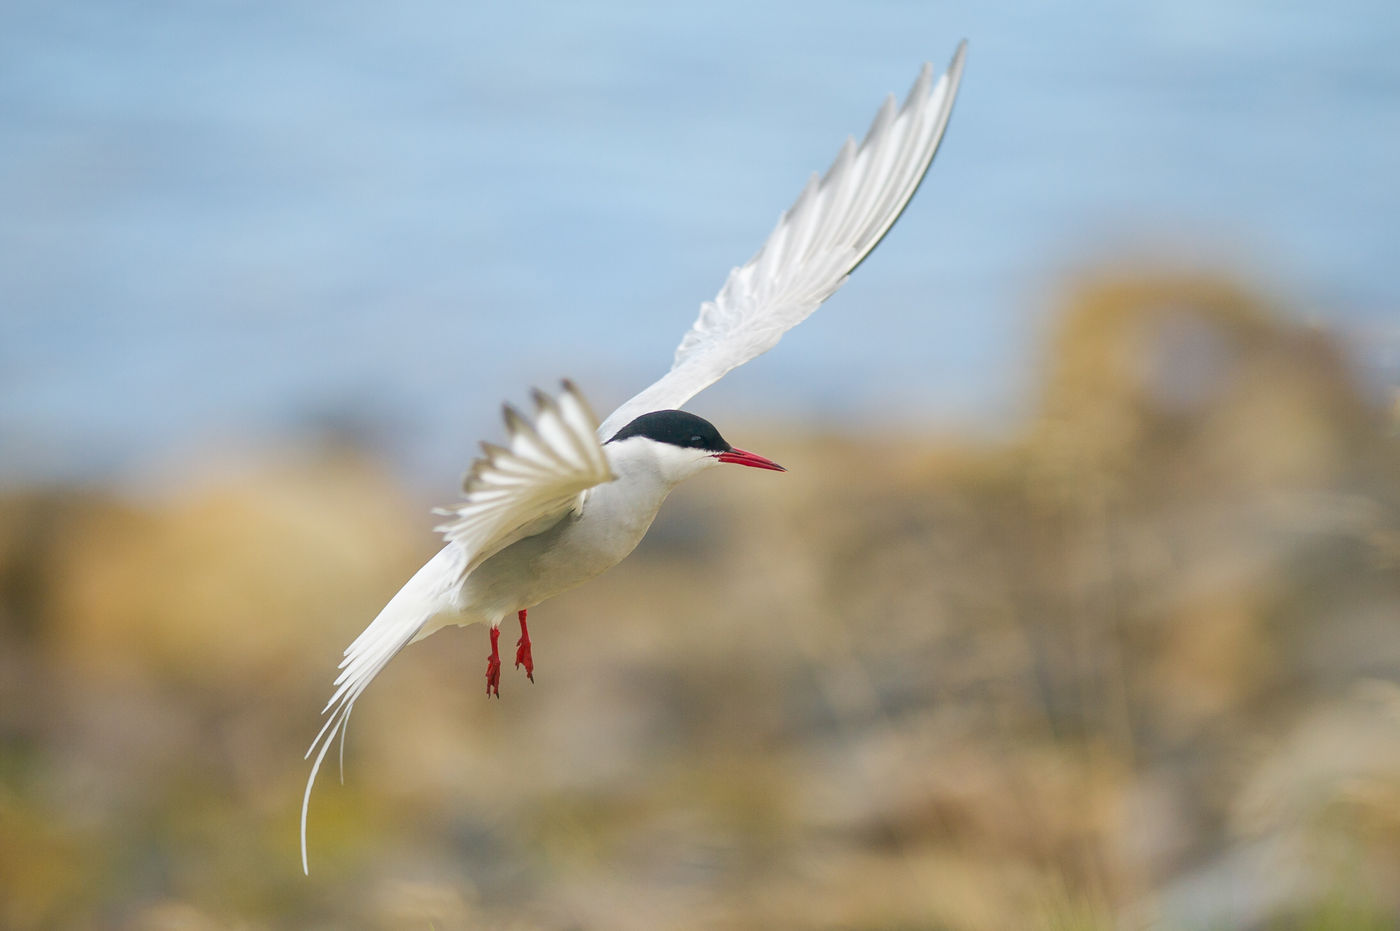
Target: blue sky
<point>225,221</point>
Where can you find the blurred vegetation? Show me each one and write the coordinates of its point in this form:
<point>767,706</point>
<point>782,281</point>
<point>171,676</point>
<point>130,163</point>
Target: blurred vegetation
<point>1138,666</point>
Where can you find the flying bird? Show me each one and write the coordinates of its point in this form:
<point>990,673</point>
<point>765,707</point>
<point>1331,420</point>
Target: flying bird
<point>565,498</point>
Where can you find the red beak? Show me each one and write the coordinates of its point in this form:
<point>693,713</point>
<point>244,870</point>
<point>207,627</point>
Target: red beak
<point>744,457</point>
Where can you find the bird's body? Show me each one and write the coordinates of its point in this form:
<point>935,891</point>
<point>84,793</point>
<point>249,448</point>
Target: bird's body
<point>581,545</point>
<point>568,499</point>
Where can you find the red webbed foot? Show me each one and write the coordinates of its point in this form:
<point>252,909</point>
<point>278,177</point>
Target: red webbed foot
<point>522,649</point>
<point>493,665</point>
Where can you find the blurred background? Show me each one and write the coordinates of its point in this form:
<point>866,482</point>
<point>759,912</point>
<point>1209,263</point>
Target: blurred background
<point>1079,607</point>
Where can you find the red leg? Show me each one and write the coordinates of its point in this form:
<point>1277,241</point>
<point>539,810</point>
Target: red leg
<point>522,649</point>
<point>493,665</point>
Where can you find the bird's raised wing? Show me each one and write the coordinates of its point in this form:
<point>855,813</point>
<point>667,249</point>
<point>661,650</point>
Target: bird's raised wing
<point>835,223</point>
<point>518,490</point>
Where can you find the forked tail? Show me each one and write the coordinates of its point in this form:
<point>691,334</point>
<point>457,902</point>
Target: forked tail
<point>403,617</point>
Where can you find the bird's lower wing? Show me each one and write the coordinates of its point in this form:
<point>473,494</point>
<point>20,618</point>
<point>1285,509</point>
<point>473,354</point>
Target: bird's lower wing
<point>834,224</point>
<point>510,493</point>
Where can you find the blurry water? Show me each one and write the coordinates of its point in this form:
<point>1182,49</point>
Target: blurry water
<point>222,222</point>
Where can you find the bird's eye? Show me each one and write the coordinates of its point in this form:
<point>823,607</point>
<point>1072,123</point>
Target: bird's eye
<point>697,440</point>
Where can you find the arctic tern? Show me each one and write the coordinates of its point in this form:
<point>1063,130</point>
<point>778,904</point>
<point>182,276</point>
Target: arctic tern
<point>566,498</point>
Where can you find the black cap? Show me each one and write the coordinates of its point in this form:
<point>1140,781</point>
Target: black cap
<point>677,428</point>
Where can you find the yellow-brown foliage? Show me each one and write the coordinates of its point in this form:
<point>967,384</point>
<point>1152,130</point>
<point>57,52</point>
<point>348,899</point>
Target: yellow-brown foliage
<point>1137,664</point>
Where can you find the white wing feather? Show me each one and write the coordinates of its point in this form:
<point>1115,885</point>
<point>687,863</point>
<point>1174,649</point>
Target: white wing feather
<point>834,224</point>
<point>510,493</point>
<point>516,492</point>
